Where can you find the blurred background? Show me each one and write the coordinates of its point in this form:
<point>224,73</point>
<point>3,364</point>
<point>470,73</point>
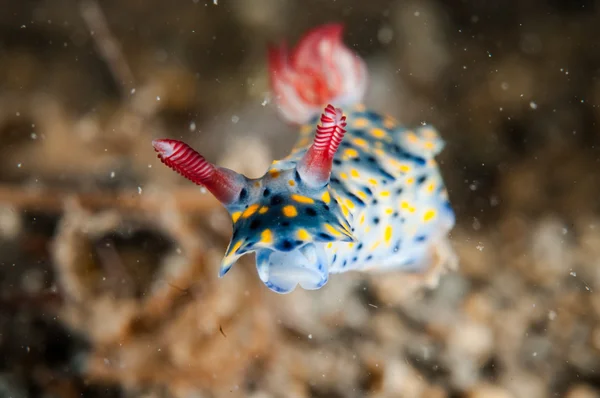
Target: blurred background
<point>108,260</point>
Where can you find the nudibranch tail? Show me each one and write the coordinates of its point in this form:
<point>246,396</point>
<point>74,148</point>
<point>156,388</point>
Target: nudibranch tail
<point>226,185</point>
<point>315,166</point>
<point>321,69</point>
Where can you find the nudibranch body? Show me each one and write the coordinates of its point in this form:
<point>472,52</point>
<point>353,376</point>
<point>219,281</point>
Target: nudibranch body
<point>358,191</point>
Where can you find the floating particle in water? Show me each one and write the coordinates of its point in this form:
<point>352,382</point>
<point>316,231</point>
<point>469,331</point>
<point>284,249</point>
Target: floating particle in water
<point>533,105</point>
<point>112,174</point>
<point>139,190</point>
<point>192,126</point>
<point>235,119</point>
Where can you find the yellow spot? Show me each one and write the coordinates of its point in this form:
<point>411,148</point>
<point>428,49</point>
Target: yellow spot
<point>302,199</point>
<point>235,216</point>
<point>379,152</point>
<point>405,168</point>
<point>388,234</point>
<point>302,143</point>
<point>350,204</point>
<point>351,245</point>
<point>429,214</point>
<point>361,122</point>
<point>354,173</point>
<point>412,209</point>
<point>266,236</point>
<point>290,211</point>
<point>303,234</point>
<point>361,195</point>
<point>410,180</point>
<point>291,183</point>
<point>404,204</point>
<point>378,133</point>
<point>235,247</point>
<point>389,211</point>
<point>362,219</point>
<point>326,198</point>
<point>263,210</point>
<point>250,210</point>
<point>274,173</point>
<point>360,142</point>
<point>345,211</point>
<point>430,187</point>
<point>385,193</point>
<point>375,245</point>
<point>428,145</point>
<point>306,129</point>
<point>372,181</point>
<point>389,122</point>
<point>351,152</point>
<point>429,133</point>
<point>332,230</point>
<point>330,245</point>
<point>367,230</point>
<point>411,137</point>
<point>344,176</point>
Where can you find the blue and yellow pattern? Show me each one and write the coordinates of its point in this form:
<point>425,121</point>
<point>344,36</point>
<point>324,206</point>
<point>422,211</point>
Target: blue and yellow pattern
<point>385,208</point>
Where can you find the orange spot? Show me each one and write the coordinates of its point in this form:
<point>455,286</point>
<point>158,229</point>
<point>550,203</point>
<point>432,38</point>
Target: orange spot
<point>290,211</point>
<point>266,236</point>
<point>263,210</point>
<point>274,173</point>
<point>326,197</point>
<point>249,211</point>
<point>291,183</point>
<point>235,216</point>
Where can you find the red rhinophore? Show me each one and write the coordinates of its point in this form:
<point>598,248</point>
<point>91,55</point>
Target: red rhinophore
<point>319,70</point>
<point>224,184</point>
<point>315,166</point>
